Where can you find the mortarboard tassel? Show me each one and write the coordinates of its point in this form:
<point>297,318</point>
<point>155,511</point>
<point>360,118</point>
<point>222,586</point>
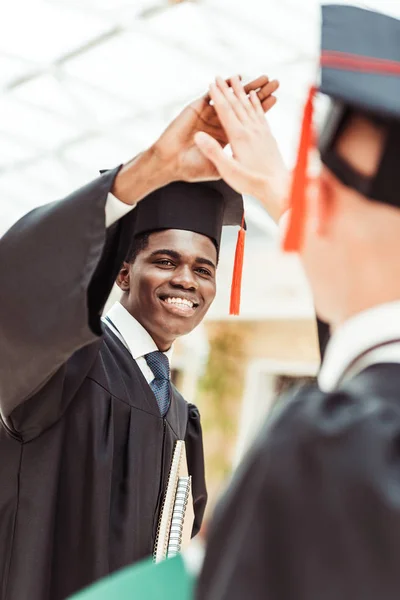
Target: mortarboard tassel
<point>297,200</point>
<point>237,272</point>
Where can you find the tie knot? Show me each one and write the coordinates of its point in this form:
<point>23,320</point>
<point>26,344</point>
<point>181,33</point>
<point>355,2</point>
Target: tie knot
<point>159,364</point>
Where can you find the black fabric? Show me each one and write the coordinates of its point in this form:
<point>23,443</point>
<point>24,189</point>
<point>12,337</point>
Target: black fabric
<point>118,239</point>
<point>385,183</point>
<point>200,207</point>
<point>56,250</point>
<point>85,454</point>
<point>323,330</point>
<point>382,186</point>
<point>314,510</point>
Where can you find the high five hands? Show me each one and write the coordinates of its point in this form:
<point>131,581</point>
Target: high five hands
<point>191,148</point>
<point>257,167</point>
<point>177,146</point>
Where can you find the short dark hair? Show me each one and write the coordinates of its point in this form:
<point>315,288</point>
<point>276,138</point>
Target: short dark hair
<point>141,241</point>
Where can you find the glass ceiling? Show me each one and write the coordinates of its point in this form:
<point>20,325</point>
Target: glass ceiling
<point>86,84</point>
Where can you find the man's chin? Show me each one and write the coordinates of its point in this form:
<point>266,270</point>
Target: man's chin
<point>175,326</point>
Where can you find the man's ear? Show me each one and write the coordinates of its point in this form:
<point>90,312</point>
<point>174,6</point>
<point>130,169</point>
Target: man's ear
<point>123,279</point>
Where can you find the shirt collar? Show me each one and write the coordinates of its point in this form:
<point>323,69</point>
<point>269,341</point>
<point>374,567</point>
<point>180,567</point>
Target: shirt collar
<point>137,339</point>
<point>358,334</point>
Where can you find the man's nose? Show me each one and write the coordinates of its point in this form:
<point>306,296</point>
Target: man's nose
<point>185,278</point>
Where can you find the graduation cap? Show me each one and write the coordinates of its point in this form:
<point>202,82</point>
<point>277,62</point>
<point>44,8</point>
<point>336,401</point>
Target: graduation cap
<point>360,71</point>
<point>200,207</point>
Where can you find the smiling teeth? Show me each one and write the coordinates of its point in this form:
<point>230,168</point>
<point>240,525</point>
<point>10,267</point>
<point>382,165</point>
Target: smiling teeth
<point>179,301</point>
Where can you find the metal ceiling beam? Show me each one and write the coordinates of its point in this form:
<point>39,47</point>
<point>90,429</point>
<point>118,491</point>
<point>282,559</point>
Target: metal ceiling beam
<point>93,43</point>
<point>96,129</point>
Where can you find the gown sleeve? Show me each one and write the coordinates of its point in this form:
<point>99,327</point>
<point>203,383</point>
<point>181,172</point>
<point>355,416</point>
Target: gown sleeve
<point>314,510</point>
<point>195,459</point>
<point>57,267</point>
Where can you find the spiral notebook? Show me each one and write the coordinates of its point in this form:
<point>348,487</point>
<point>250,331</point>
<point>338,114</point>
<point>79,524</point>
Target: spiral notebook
<point>177,514</point>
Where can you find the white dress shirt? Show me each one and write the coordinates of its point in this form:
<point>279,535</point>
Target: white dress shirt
<point>361,333</point>
<point>115,209</point>
<point>134,336</point>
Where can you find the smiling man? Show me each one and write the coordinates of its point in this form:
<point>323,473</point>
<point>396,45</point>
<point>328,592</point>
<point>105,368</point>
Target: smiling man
<point>168,283</point>
<point>88,416</point>
<point>168,279</point>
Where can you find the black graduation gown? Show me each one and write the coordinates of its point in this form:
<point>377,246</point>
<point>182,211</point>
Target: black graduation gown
<point>84,451</point>
<point>314,510</point>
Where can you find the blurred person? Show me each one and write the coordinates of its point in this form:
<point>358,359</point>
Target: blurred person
<point>89,418</point>
<point>313,512</point>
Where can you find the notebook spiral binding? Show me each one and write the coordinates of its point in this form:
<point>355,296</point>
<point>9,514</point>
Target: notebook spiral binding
<point>172,527</point>
<point>178,515</point>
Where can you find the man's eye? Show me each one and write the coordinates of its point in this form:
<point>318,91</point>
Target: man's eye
<point>165,263</point>
<point>204,272</point>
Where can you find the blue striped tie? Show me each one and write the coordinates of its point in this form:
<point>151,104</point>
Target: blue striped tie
<point>159,365</point>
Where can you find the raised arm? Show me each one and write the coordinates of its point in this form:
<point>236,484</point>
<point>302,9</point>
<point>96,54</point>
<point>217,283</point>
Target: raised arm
<point>256,167</point>
<point>57,267</point>
<point>59,262</point>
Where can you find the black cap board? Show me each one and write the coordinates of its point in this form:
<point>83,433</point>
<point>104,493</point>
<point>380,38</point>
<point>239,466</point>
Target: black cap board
<point>200,207</point>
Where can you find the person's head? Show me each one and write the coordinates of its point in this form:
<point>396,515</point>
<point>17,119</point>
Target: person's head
<point>169,277</point>
<point>348,231</point>
<point>169,282</point>
<point>352,242</point>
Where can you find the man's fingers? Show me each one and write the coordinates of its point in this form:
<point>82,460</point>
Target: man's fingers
<point>229,169</point>
<point>256,84</point>
<point>268,103</point>
<point>267,90</point>
<point>242,96</point>
<point>228,81</point>
<point>256,104</point>
<point>233,100</point>
<point>262,85</point>
<point>227,117</point>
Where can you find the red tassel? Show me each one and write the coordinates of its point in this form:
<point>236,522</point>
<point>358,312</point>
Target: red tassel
<point>237,272</point>
<point>297,202</point>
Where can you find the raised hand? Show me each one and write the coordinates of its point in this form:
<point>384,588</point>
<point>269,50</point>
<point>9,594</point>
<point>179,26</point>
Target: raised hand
<point>257,167</point>
<point>176,146</point>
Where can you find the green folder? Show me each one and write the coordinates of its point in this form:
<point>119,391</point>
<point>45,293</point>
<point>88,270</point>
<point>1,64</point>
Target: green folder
<point>167,580</point>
